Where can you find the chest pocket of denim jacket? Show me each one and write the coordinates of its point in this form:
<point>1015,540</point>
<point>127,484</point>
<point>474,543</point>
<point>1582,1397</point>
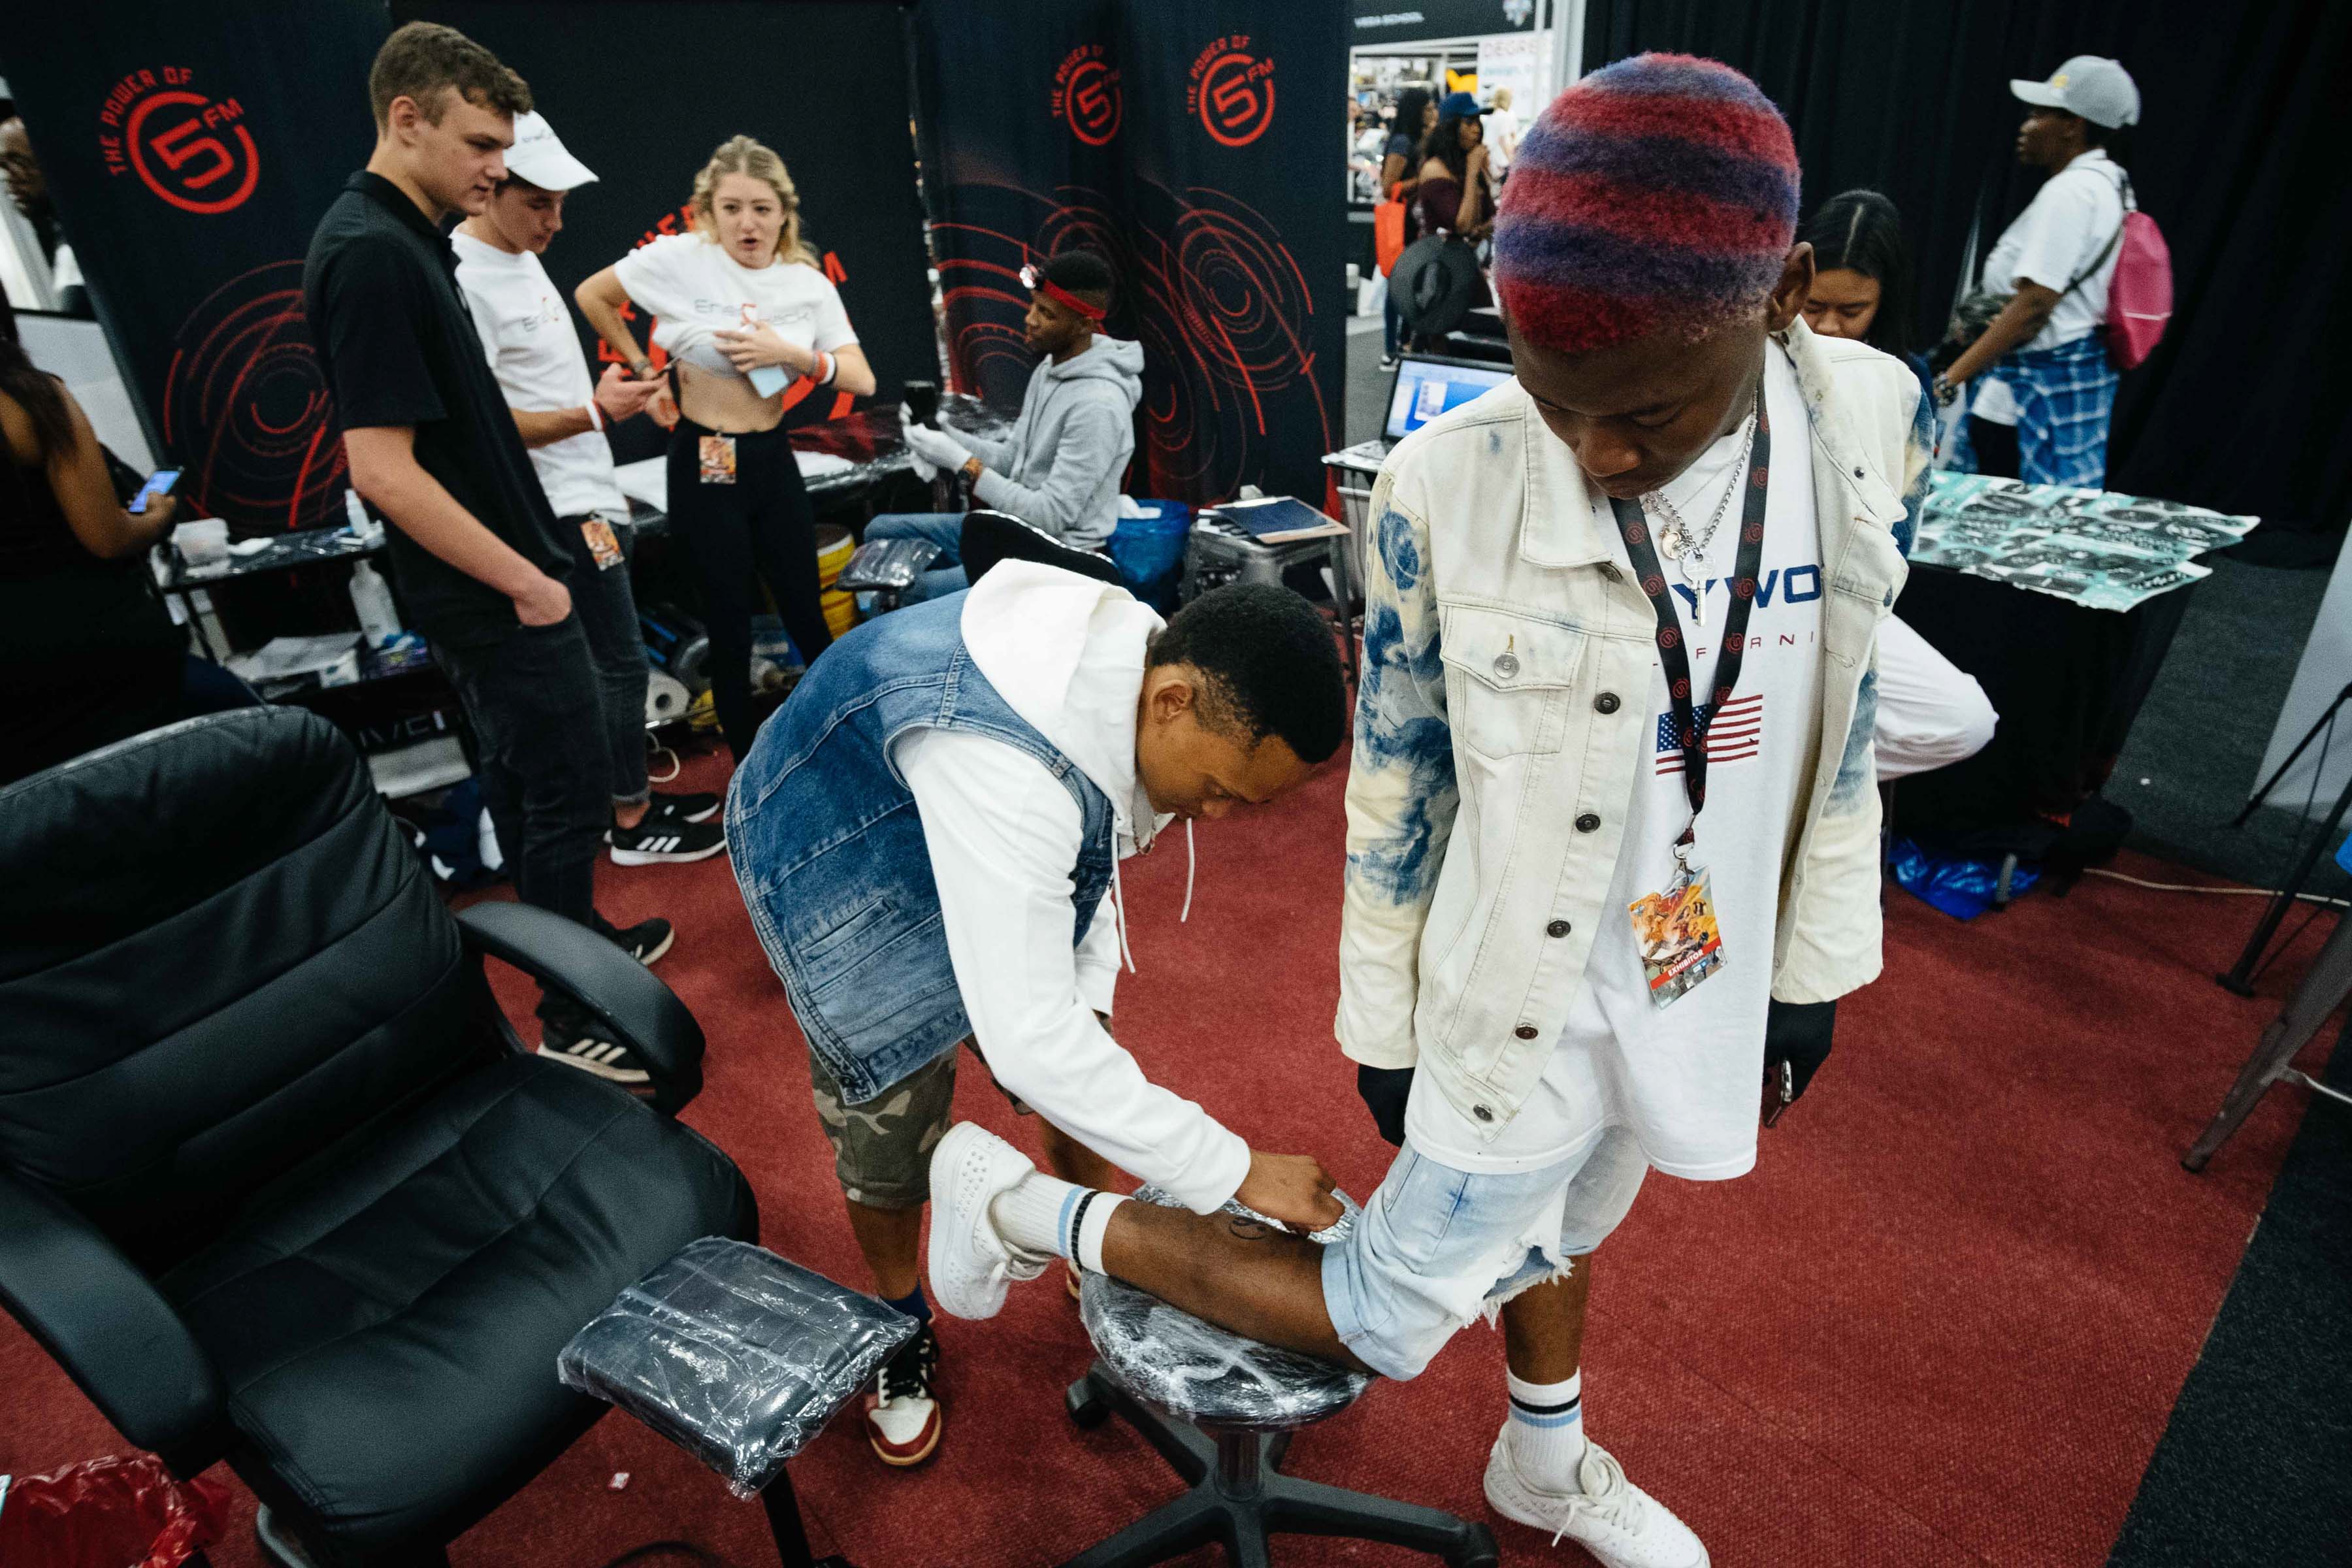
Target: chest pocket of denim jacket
<point>1508,678</point>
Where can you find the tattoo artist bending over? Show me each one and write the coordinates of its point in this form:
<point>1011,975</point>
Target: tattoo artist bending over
<point>1645,579</point>
<point>927,838</point>
<point>1060,468</point>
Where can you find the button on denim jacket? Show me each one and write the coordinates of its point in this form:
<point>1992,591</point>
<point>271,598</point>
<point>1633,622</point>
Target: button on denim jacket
<point>1490,785</point>
<point>828,847</point>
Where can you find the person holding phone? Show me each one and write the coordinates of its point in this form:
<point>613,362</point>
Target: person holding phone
<point>752,326</point>
<point>527,336</point>
<point>91,651</point>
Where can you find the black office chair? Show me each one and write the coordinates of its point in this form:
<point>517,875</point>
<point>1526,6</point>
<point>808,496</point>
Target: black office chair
<point>277,1184</point>
<point>990,537</point>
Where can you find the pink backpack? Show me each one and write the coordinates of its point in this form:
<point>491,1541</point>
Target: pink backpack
<point>2139,296</point>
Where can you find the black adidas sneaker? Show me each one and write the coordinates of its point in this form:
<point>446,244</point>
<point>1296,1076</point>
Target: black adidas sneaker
<point>659,837</point>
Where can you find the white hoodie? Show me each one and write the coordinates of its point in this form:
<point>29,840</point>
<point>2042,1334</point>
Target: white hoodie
<point>1066,654</point>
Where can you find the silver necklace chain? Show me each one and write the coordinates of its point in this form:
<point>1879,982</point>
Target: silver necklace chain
<point>1675,538</point>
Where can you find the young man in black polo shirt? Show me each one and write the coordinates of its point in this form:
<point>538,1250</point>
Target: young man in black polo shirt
<point>474,544</point>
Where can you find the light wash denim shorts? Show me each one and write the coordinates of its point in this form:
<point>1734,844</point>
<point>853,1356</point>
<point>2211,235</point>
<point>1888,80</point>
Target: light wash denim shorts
<point>1437,1246</point>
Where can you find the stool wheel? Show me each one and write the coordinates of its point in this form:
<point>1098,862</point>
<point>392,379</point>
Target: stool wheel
<point>1084,1405</point>
<point>1480,1551</point>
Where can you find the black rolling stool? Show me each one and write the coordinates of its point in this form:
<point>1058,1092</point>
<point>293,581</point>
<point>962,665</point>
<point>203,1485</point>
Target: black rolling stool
<point>1247,1399</point>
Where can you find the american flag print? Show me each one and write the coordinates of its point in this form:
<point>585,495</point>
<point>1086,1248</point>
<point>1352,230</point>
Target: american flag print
<point>1735,734</point>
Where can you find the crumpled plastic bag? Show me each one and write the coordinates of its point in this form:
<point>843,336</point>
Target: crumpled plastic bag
<point>1194,1370</point>
<point>120,1513</point>
<point>1962,887</point>
<point>735,1354</point>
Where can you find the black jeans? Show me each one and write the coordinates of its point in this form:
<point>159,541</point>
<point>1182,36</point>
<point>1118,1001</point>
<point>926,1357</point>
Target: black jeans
<point>539,724</point>
<point>606,607</point>
<point>762,521</point>
<point>1996,447</point>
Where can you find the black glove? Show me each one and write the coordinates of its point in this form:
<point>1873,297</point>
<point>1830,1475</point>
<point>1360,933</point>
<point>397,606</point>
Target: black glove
<point>1385,1090</point>
<point>1796,1044</point>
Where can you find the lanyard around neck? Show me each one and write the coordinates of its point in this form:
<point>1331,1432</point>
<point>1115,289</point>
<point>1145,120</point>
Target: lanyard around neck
<point>1691,724</point>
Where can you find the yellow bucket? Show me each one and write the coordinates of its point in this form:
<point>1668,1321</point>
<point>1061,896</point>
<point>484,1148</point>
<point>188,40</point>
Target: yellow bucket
<point>833,549</point>
<point>840,611</point>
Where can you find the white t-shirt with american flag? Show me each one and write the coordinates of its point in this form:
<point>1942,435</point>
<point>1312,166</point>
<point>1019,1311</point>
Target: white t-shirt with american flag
<point>1684,1079</point>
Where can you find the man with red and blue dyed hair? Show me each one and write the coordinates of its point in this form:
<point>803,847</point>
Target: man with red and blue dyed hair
<point>1610,803</point>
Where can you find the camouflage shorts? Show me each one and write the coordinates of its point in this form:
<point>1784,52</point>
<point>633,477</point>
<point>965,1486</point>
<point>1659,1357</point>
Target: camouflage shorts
<point>882,1149</point>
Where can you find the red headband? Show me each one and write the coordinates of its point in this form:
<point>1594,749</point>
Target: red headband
<point>1039,282</point>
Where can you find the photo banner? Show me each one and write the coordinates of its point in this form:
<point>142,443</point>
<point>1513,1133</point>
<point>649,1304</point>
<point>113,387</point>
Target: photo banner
<point>1180,138</point>
<point>841,130</point>
<point>190,150</point>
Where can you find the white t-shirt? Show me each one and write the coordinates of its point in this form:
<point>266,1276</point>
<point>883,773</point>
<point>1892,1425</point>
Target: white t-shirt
<point>2061,232</point>
<point>534,350</point>
<point>1686,1079</point>
<point>695,288</point>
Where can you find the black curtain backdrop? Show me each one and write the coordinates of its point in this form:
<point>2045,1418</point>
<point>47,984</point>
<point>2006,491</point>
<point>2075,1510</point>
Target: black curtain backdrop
<point>190,151</point>
<point>824,84</point>
<point>2244,118</point>
<point>1182,139</point>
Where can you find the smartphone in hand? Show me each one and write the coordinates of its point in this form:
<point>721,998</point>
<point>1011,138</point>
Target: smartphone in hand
<point>159,483</point>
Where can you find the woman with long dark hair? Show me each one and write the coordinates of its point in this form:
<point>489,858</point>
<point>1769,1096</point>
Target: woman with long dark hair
<point>746,316</point>
<point>1862,275</point>
<point>1931,713</point>
<point>91,654</point>
<point>1458,190</point>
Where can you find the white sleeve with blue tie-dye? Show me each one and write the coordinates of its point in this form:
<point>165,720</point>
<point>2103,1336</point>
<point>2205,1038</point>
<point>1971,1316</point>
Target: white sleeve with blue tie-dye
<point>1402,793</point>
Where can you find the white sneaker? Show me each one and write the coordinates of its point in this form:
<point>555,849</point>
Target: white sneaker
<point>971,1263</point>
<point>1611,1518</point>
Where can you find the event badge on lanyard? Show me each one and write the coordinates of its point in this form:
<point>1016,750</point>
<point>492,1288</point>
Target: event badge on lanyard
<point>1675,928</point>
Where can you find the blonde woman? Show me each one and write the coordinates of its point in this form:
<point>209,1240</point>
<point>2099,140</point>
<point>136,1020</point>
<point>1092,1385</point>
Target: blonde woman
<point>744,312</point>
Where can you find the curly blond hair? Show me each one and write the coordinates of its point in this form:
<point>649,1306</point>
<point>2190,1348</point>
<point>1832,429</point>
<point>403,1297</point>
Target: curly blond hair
<point>746,155</point>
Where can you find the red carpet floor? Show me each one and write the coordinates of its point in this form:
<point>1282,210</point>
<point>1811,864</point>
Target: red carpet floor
<point>1943,1322</point>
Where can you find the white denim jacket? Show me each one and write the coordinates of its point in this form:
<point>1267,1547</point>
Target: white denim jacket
<point>1487,794</point>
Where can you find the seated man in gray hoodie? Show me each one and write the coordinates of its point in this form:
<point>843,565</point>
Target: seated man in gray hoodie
<point>1059,469</point>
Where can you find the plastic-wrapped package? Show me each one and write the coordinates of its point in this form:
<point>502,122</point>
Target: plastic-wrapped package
<point>733,1353</point>
<point>1203,1373</point>
<point>105,1513</point>
<point>886,564</point>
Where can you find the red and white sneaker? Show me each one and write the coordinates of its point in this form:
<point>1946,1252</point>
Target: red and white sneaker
<point>902,1412</point>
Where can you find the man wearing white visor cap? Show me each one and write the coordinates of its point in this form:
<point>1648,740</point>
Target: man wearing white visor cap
<point>2043,386</point>
<point>526,331</point>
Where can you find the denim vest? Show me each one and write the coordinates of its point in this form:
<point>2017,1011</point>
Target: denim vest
<point>828,847</point>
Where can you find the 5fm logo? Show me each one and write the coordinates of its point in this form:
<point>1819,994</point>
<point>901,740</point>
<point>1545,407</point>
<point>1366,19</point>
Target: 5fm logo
<point>1232,91</point>
<point>187,148</point>
<point>1086,95</point>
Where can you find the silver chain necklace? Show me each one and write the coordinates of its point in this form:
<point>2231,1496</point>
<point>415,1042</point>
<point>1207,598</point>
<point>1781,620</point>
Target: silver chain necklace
<point>1678,544</point>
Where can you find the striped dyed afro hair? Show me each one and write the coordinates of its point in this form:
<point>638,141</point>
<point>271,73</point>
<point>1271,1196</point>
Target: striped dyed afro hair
<point>1656,195</point>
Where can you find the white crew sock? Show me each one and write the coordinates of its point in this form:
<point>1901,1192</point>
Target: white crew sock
<point>1545,1432</point>
<point>1042,1214</point>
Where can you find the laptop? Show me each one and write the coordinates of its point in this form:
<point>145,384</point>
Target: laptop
<point>1426,386</point>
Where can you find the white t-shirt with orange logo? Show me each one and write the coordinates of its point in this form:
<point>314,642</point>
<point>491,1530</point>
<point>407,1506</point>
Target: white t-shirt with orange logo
<point>694,288</point>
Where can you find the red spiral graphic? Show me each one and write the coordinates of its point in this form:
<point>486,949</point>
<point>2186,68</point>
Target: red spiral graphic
<point>1681,688</point>
<point>1669,637</point>
<point>1219,304</point>
<point>247,410</point>
<point>1652,586</point>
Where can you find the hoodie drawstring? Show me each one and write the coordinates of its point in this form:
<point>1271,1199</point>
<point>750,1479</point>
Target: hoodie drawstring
<point>1119,911</point>
<point>1192,864</point>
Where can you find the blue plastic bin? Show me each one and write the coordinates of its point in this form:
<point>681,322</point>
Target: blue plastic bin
<point>1148,552</point>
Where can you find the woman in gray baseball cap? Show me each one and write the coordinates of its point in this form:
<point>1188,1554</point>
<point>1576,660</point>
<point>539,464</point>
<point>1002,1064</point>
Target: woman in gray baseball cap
<point>2045,386</point>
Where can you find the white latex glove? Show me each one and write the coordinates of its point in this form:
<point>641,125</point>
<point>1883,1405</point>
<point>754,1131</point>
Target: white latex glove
<point>937,447</point>
<point>923,471</point>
